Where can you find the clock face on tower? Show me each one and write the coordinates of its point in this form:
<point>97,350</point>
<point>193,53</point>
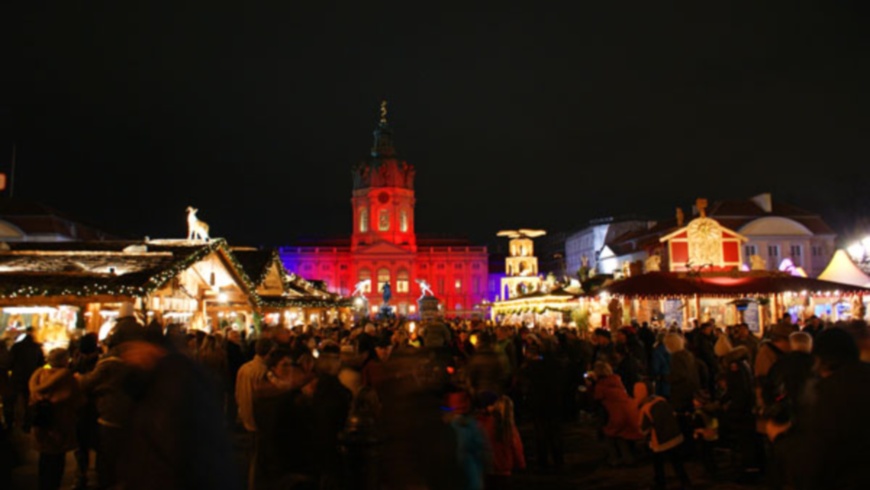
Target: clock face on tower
<point>383,198</point>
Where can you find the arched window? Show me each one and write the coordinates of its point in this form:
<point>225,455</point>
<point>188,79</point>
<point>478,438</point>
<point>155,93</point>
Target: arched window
<point>403,221</point>
<point>363,219</point>
<point>402,283</point>
<point>383,278</point>
<point>384,220</point>
<point>365,274</point>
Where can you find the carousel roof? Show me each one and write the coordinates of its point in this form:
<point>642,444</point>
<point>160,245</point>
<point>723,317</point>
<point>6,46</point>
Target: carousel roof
<point>673,284</point>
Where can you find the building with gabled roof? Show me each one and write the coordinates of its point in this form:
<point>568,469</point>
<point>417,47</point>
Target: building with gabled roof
<point>286,293</point>
<point>60,286</point>
<point>773,231</point>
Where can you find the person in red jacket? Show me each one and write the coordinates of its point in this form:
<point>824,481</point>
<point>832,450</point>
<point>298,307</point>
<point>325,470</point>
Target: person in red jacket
<point>621,430</point>
<point>496,420</point>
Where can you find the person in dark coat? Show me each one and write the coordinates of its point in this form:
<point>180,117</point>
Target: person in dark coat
<point>737,404</point>
<point>660,368</point>
<point>647,337</point>
<point>541,381</point>
<point>235,358</point>
<point>683,377</point>
<point>834,448</point>
<point>25,357</point>
<point>603,342</point>
<point>789,375</point>
<point>84,361</point>
<point>330,406</point>
<point>283,415</point>
<point>705,342</point>
<point>176,435</point>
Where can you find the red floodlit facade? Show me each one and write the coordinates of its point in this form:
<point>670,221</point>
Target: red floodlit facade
<point>384,247</point>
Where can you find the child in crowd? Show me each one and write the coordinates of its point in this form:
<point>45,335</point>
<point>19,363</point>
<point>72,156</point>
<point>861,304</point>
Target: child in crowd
<point>658,422</point>
<point>706,433</point>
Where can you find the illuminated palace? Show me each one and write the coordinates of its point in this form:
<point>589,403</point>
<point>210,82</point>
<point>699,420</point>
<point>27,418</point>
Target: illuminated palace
<point>384,247</point>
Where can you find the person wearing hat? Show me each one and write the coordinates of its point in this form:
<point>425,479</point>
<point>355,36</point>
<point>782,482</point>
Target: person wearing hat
<point>55,396</point>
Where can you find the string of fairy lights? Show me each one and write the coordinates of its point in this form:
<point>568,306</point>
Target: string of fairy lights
<point>119,285</point>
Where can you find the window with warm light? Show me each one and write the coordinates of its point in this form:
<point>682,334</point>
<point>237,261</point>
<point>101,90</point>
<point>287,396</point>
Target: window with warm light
<point>403,221</point>
<point>384,220</point>
<point>383,278</point>
<point>458,285</point>
<point>402,282</point>
<point>366,275</point>
<point>363,220</point>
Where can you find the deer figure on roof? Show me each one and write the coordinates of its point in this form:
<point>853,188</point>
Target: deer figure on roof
<point>196,228</point>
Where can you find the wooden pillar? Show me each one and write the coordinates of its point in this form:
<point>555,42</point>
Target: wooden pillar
<point>761,314</point>
<point>94,320</point>
<point>686,313</point>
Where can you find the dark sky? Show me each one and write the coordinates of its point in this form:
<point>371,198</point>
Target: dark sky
<point>516,117</point>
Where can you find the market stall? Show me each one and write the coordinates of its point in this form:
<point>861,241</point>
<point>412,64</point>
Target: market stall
<point>289,299</point>
<point>64,289</point>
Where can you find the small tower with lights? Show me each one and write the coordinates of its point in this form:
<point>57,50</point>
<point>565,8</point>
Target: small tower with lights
<point>521,265</point>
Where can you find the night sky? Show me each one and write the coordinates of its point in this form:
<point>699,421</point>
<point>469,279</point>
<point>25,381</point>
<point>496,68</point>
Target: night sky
<point>517,117</point>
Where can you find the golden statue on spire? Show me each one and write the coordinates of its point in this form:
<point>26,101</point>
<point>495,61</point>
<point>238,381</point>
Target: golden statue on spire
<point>383,112</point>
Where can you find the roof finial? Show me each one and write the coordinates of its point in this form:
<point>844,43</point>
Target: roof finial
<point>383,112</point>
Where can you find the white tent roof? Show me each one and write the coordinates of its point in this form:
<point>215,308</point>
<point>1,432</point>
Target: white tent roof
<point>842,269</point>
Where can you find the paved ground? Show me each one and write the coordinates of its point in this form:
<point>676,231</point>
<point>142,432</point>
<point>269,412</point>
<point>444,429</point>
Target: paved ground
<point>586,467</point>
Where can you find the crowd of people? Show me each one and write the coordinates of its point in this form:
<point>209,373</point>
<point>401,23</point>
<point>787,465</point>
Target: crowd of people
<point>395,404</point>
